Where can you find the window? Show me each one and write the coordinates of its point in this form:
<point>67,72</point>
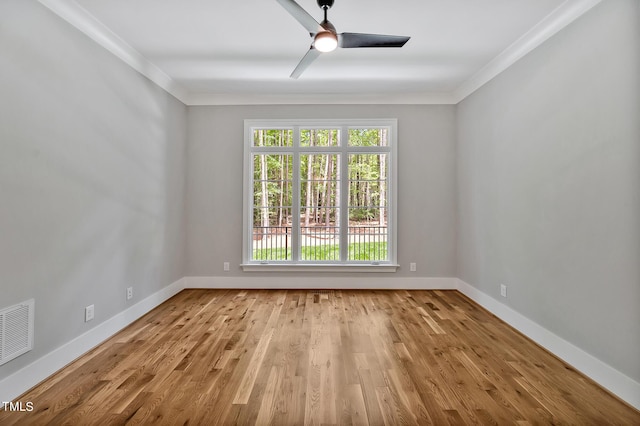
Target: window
<point>319,193</point>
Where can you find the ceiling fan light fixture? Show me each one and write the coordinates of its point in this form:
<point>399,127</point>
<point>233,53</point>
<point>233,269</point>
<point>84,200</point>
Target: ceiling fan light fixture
<point>325,36</point>
<point>325,41</point>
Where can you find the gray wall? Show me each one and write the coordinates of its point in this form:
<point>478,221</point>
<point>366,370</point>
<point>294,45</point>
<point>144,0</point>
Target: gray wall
<point>92,159</point>
<point>426,183</point>
<point>549,202</point>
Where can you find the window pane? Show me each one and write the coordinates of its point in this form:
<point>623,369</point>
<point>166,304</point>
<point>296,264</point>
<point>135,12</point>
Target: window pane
<point>319,187</point>
<point>369,137</point>
<point>270,241</point>
<point>368,166</point>
<point>278,193</point>
<point>367,233</point>
<point>272,168</point>
<point>319,137</point>
<point>273,137</point>
<point>272,207</point>
<point>368,180</point>
<point>319,241</point>
<point>368,238</point>
<point>319,202</point>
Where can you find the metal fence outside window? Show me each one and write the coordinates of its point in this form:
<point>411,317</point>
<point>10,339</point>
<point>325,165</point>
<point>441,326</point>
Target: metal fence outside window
<point>320,242</point>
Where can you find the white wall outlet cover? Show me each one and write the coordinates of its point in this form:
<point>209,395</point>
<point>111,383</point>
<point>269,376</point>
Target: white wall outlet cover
<point>89,312</point>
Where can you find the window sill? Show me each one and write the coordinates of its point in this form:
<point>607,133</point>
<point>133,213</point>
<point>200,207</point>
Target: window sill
<point>306,267</point>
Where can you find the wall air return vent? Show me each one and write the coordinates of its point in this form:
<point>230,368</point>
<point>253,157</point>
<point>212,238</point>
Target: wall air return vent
<point>16,330</point>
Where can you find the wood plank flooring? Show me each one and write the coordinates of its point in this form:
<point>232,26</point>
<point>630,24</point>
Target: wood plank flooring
<point>294,357</point>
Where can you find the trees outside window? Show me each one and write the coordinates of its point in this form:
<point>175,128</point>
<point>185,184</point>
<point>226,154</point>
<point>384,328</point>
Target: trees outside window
<point>319,192</point>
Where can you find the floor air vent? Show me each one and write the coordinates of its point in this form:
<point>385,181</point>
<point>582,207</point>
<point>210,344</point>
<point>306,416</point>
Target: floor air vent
<point>16,330</point>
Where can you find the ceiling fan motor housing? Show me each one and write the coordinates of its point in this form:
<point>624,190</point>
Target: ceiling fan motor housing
<point>328,26</point>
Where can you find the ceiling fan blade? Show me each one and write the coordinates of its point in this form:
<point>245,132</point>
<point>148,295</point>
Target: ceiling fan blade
<point>306,60</point>
<point>300,15</point>
<point>349,40</point>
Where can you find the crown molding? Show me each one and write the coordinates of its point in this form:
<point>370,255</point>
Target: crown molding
<point>80,18</point>
<point>562,16</point>
<point>425,98</point>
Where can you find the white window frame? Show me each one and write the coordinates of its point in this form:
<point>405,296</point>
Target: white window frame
<point>344,150</point>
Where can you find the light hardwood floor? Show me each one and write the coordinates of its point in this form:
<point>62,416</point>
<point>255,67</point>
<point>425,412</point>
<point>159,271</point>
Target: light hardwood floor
<point>293,357</point>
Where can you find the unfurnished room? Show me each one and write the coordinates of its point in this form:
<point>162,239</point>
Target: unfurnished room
<point>319,212</point>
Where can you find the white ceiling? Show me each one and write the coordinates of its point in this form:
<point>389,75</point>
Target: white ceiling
<point>234,51</point>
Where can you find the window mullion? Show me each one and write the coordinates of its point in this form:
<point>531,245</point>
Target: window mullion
<point>295,216</point>
<point>344,194</point>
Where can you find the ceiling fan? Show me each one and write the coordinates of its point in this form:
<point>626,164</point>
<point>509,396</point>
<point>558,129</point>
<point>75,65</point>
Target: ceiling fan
<point>326,39</point>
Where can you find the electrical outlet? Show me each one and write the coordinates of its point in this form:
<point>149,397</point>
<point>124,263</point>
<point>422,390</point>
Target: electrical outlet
<point>129,293</point>
<point>412,267</point>
<point>503,290</point>
<point>225,266</point>
<point>89,312</point>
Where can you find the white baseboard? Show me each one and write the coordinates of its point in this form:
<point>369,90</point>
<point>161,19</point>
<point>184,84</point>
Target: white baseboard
<point>322,282</point>
<point>606,376</point>
<point>24,379</point>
